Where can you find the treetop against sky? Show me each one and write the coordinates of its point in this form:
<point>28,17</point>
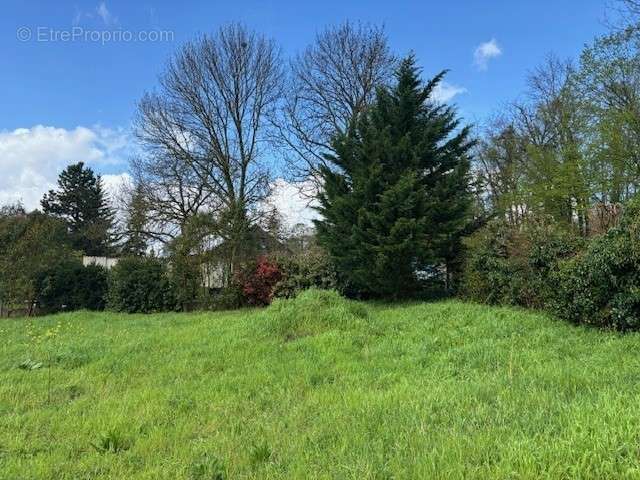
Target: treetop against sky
<point>76,69</point>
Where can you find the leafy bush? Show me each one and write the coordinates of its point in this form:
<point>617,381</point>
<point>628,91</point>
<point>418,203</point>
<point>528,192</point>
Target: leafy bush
<point>188,257</point>
<point>601,286</point>
<point>258,281</point>
<point>30,245</point>
<point>229,298</point>
<point>187,281</point>
<point>72,286</point>
<point>140,284</point>
<point>308,269</point>
<point>487,271</point>
<point>516,265</point>
<point>312,312</point>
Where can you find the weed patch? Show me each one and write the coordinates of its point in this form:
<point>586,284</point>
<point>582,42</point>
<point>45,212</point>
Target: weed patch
<point>313,312</point>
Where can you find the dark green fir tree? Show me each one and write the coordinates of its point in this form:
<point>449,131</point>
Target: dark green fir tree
<point>397,198</point>
<point>136,219</point>
<point>84,206</point>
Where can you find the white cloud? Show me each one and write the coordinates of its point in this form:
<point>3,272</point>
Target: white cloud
<point>32,158</point>
<point>104,13</point>
<point>293,206</point>
<point>115,185</point>
<point>445,91</point>
<point>485,52</point>
<point>101,12</point>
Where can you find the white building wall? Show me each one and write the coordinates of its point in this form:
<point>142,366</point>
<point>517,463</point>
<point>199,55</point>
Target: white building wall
<point>104,262</point>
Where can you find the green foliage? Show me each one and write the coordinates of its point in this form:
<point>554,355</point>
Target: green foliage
<point>488,274</point>
<point>140,284</point>
<point>542,265</point>
<point>398,195</point>
<point>516,265</point>
<point>304,270</point>
<point>312,312</point>
<point>230,298</point>
<point>71,286</point>
<point>82,204</point>
<point>136,220</point>
<point>601,286</point>
<point>190,254</point>
<point>30,245</point>
<point>609,83</point>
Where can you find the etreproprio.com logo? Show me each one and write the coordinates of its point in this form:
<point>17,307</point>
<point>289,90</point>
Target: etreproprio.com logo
<point>80,34</point>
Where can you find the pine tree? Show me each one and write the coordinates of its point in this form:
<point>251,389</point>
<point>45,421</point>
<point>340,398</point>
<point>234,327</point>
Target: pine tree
<point>399,198</point>
<point>83,205</point>
<point>136,220</point>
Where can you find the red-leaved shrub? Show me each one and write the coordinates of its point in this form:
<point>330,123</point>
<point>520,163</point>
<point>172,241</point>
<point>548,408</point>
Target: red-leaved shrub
<point>259,280</point>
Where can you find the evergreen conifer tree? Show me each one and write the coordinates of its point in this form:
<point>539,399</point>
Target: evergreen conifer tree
<point>83,205</point>
<point>136,219</point>
<point>399,198</point>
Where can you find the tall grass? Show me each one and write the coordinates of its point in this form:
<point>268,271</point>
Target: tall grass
<point>319,387</point>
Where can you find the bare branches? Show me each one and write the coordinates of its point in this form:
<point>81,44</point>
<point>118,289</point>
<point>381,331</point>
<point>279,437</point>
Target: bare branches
<point>622,13</point>
<point>173,192</point>
<point>204,131</point>
<point>331,82</point>
<point>551,107</point>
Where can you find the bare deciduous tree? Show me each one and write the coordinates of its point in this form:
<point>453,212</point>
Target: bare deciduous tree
<point>498,170</point>
<point>331,82</point>
<point>204,131</point>
<point>551,109</point>
<point>173,192</point>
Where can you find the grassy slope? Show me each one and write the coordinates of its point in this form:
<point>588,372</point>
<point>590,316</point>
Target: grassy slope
<point>445,390</point>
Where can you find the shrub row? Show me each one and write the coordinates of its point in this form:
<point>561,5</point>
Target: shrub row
<point>542,265</point>
<point>146,285</point>
<point>71,286</point>
<point>601,285</point>
<point>516,266</point>
<point>135,284</point>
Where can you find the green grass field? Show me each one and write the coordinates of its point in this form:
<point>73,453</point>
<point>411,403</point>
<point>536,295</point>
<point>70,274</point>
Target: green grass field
<point>318,388</point>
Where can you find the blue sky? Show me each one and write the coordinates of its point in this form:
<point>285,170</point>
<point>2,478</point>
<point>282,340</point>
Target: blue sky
<point>70,86</point>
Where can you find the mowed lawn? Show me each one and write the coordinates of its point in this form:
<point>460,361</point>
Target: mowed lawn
<point>318,388</point>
